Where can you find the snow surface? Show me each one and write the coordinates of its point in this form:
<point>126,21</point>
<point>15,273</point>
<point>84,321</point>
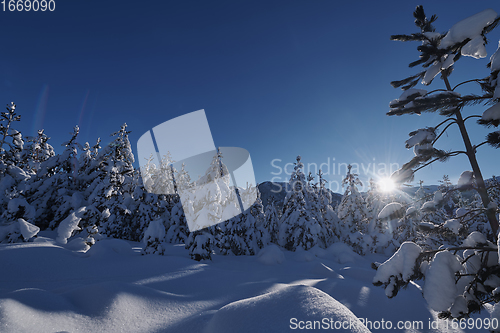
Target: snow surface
<point>112,288</point>
<point>271,255</point>
<point>261,313</point>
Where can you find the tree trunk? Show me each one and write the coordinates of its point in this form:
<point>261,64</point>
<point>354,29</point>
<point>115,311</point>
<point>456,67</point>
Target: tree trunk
<point>471,154</point>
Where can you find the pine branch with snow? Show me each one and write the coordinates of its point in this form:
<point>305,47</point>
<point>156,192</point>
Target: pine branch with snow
<point>438,55</point>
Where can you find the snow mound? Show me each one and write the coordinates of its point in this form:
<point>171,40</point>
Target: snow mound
<point>281,311</point>
<point>341,253</point>
<point>77,244</point>
<point>271,255</point>
<point>305,256</point>
<point>111,246</point>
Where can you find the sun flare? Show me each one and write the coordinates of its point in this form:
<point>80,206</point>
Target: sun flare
<point>386,185</point>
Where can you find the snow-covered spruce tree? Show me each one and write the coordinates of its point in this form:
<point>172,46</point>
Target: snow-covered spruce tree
<point>233,236</point>
<point>352,213</point>
<point>36,151</point>
<point>493,187</point>
<point>110,201</point>
<point>178,230</point>
<point>259,235</point>
<point>200,244</point>
<point>245,233</point>
<point>327,216</point>
<point>54,189</point>
<point>272,221</point>
<point>11,141</point>
<point>458,281</point>
<point>206,202</point>
<point>12,177</point>
<point>154,238</point>
<point>439,53</point>
<point>374,204</point>
<point>298,228</point>
<point>68,195</point>
<point>451,197</point>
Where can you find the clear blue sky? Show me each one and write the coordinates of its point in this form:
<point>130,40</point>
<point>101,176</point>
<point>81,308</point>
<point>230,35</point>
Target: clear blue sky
<point>278,78</point>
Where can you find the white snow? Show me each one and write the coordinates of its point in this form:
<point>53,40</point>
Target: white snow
<point>155,230</point>
<point>470,27</point>
<point>391,209</point>
<point>14,205</point>
<point>427,206</point>
<point>427,225</point>
<point>438,197</point>
<point>401,264</point>
<point>460,212</point>
<point>495,60</point>
<point>28,230</point>
<point>112,288</point>
<point>431,34</point>
<point>68,225</point>
<point>475,48</point>
<point>453,225</point>
<point>271,255</point>
<point>420,136</point>
<point>281,311</point>
<point>492,113</point>
<point>459,307</point>
<point>431,72</point>
<point>474,239</point>
<point>466,179</point>
<point>420,149</point>
<point>407,93</point>
<point>440,289</point>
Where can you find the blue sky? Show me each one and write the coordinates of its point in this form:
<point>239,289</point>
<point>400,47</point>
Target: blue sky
<point>278,78</point>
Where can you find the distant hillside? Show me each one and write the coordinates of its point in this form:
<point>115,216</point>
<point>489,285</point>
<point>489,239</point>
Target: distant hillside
<point>278,190</point>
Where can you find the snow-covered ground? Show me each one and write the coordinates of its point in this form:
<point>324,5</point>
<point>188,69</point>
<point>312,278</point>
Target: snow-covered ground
<point>113,288</point>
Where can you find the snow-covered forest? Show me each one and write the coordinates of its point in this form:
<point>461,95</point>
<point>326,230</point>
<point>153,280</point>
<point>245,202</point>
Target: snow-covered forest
<point>88,242</point>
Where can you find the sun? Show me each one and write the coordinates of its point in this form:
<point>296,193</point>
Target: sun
<point>386,185</point>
